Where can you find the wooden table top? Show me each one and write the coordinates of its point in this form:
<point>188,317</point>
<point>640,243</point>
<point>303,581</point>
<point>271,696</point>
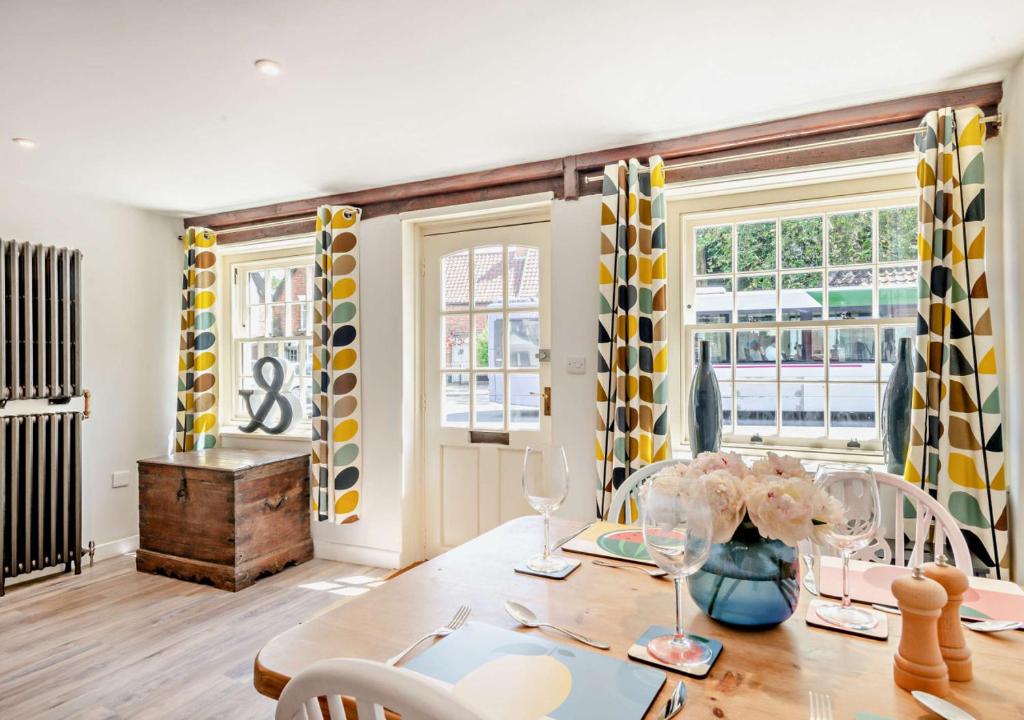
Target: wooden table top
<point>224,459</point>
<point>763,674</point>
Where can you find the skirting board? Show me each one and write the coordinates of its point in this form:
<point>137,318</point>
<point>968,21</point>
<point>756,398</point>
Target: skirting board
<point>104,551</point>
<point>360,555</point>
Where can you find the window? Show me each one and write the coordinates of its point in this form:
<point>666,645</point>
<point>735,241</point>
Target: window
<point>271,309</point>
<point>803,306</point>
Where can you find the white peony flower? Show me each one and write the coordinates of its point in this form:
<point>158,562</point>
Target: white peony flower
<point>725,496</point>
<point>708,462</point>
<point>791,509</point>
<point>781,466</point>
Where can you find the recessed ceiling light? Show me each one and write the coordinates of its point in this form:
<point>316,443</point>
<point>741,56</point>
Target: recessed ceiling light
<point>268,67</point>
<point>24,142</point>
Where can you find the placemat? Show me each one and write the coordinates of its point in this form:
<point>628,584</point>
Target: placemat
<point>611,540</point>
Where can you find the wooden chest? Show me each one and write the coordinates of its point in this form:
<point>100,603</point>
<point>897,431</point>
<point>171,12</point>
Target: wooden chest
<point>223,517</point>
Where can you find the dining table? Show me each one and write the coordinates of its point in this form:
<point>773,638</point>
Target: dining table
<point>764,673</point>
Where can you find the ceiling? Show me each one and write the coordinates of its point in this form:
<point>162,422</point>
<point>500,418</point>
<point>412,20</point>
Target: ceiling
<point>157,104</point>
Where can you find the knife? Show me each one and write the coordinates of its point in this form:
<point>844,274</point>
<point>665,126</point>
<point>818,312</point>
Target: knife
<point>558,544</point>
<point>941,707</point>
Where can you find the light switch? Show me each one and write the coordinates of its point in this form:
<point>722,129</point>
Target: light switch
<point>119,479</point>
<point>576,364</point>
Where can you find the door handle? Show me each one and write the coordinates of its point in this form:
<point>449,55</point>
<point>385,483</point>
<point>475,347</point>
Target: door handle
<point>546,395</point>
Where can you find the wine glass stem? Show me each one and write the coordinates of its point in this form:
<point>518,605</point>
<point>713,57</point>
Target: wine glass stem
<point>547,536</point>
<point>678,638</point>
<point>846,579</point>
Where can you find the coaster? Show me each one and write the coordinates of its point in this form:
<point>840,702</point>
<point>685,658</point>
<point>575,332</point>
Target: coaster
<point>560,575</point>
<point>638,651</point>
<point>878,632</point>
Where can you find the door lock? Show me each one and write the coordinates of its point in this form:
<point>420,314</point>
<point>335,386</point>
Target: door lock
<point>546,395</point>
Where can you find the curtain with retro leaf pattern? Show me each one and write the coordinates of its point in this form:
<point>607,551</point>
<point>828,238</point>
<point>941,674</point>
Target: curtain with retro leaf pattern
<point>956,445</point>
<point>337,415</point>
<point>196,423</point>
<point>632,332</point>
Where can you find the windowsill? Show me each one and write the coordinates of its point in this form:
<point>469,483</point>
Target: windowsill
<point>299,433</point>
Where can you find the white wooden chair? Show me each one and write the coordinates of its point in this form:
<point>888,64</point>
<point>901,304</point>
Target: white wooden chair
<point>374,686</point>
<point>624,500</point>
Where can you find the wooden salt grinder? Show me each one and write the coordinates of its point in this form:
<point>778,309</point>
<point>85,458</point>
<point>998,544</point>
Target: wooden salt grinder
<point>918,664</point>
<point>951,632</point>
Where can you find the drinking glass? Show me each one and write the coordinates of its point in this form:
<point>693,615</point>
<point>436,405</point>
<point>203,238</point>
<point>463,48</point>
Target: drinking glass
<point>677,526</point>
<point>545,484</point>
<point>856,488</point>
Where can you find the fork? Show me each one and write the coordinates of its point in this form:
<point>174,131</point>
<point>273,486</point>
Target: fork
<point>454,624</point>
<point>821,705</point>
<point>653,572</point>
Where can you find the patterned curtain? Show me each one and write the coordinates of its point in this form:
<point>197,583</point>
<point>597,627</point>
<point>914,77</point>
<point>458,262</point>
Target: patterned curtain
<point>196,421</point>
<point>632,352</point>
<point>956,446</point>
<point>337,416</point>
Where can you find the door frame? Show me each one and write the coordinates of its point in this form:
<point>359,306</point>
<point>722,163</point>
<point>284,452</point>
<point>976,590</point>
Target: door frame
<point>417,227</point>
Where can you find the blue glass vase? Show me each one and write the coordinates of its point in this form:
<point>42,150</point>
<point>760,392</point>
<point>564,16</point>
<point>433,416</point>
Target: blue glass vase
<point>749,581</point>
<point>896,411</point>
<point>705,416</point>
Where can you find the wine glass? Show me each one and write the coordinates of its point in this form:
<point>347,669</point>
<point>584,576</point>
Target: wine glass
<point>678,528</point>
<point>856,488</point>
<point>545,484</point>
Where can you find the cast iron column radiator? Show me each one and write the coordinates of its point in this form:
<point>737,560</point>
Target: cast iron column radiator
<point>40,443</point>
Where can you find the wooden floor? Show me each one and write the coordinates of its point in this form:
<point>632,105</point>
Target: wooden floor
<point>115,643</point>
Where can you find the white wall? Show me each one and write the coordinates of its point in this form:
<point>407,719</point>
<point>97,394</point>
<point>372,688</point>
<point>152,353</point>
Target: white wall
<point>130,294</point>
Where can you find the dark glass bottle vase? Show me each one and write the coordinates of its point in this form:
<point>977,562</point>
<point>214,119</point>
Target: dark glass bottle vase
<point>705,411</point>
<point>896,410</point>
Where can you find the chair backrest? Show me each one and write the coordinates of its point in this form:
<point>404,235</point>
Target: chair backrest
<point>623,507</point>
<point>374,686</point>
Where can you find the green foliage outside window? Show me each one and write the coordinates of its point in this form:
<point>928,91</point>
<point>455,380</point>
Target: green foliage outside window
<point>714,250</point>
<point>802,242</point>
<point>849,238</point>
<point>897,234</point>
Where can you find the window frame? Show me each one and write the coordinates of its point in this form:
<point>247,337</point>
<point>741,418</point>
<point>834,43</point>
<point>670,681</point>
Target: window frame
<point>839,197</point>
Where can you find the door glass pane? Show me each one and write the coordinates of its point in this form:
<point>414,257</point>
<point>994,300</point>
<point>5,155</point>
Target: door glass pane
<point>849,238</point>
<point>298,283</point>
<point>712,300</point>
<point>489,395</point>
<point>802,354</point>
<point>713,247</point>
<point>277,284</point>
<point>455,411</point>
<point>257,321</point>
<point>257,288</point>
<point>755,246</point>
<point>852,410</point>
<point>488,288</point>
<point>755,407</point>
<point>891,345</point>
<point>720,348</point>
<point>897,234</point>
<point>524,400</point>
<point>802,296</point>
<point>455,345</point>
<point>802,242</point>
<point>851,354</point>
<point>756,299</point>
<point>897,291</point>
<point>849,293</point>
<point>523,340</point>
<point>523,276</point>
<point>455,280</point>
<point>489,332</point>
<point>803,409</point>
<point>755,354</point>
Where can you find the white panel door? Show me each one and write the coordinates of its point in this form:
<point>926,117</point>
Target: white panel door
<point>485,320</point>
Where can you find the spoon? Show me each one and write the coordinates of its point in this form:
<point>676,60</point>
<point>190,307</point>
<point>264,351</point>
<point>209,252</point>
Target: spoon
<point>653,572</point>
<point>525,616</point>
<point>675,702</point>
<point>989,626</point>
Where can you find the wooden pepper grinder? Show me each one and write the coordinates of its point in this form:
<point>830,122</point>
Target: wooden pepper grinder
<point>951,632</point>
<point>918,664</point>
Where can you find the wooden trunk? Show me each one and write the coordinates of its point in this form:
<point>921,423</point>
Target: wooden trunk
<point>223,517</point>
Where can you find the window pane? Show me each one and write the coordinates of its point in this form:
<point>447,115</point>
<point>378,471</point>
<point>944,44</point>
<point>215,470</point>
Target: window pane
<point>257,288</point>
<point>755,407</point>
<point>756,299</point>
<point>307,368</point>
<point>720,347</point>
<point>897,291</point>
<point>490,336</point>
<point>257,321</point>
<point>455,410</point>
<point>455,280</point>
<point>250,353</point>
<point>803,354</point>
<point>298,315</point>
<point>755,354</point>
<point>849,238</point>
<point>276,277</point>
<point>802,242</point>
<point>897,234</point>
<point>298,283</point>
<point>276,321</point>
<point>271,349</point>
<point>851,353</point>
<point>849,293</point>
<point>714,249</point>
<point>306,397</point>
<point>524,400</point>
<point>523,276</point>
<point>801,296</point>
<point>455,343</point>
<point>489,389</point>
<point>291,356</point>
<point>891,345</point>
<point>487,285</point>
<point>713,300</point>
<point>852,410</point>
<point>803,409</point>
<point>755,246</point>
<point>523,340</point>
<point>725,388</point>
<point>247,383</point>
